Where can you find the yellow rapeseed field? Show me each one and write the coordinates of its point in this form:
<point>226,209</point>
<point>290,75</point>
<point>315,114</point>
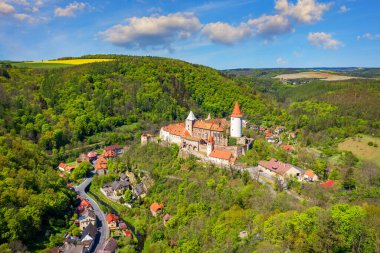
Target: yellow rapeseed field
<point>74,61</point>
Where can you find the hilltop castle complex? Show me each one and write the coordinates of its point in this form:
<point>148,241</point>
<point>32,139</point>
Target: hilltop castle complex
<point>210,136</point>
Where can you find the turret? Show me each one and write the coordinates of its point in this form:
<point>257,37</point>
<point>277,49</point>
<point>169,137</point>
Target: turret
<point>210,145</point>
<point>190,122</point>
<point>208,117</point>
<point>236,121</point>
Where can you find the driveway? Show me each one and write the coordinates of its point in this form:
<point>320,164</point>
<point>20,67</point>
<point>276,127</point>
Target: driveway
<point>102,227</point>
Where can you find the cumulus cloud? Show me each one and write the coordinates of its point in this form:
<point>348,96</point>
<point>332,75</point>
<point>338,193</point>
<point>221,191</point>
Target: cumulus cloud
<point>270,25</point>
<point>325,40</point>
<point>281,61</point>
<point>70,10</point>
<point>343,9</point>
<point>226,34</point>
<point>369,36</point>
<point>153,31</point>
<point>6,8</point>
<point>304,11</point>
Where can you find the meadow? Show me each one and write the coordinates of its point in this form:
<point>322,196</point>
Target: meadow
<point>315,75</point>
<point>359,147</point>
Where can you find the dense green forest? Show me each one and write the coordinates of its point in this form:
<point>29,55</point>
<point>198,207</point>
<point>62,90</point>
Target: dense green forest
<point>50,115</point>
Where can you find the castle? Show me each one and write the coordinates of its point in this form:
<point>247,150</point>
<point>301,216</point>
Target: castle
<point>210,136</point>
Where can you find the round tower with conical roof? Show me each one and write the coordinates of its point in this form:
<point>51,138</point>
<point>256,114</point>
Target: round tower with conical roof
<point>236,122</point>
<point>210,145</point>
<point>190,122</point>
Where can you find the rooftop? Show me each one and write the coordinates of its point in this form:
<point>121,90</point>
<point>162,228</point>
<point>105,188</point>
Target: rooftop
<point>225,155</point>
<point>236,112</point>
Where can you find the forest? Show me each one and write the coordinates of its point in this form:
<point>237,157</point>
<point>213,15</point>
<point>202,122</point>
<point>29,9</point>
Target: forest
<point>50,115</point>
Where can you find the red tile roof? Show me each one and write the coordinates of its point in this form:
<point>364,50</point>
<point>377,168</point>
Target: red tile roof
<point>156,207</point>
<point>275,165</point>
<point>225,155</point>
<point>210,139</point>
<point>65,167</point>
<point>112,147</point>
<point>288,147</point>
<point>310,173</point>
<point>92,154</point>
<point>212,124</point>
<point>175,129</point>
<point>84,204</point>
<point>101,163</point>
<point>236,112</point>
<point>109,153</point>
<point>111,217</point>
<point>328,184</point>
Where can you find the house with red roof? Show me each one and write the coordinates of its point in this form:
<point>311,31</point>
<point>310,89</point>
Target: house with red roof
<point>112,221</point>
<point>288,148</point>
<point>222,157</point>
<point>276,167</point>
<point>310,176</point>
<point>101,166</point>
<point>155,208</point>
<point>328,184</point>
<point>66,168</point>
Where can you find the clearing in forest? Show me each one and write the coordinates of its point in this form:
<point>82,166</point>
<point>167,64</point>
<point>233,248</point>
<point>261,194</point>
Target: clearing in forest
<point>359,147</point>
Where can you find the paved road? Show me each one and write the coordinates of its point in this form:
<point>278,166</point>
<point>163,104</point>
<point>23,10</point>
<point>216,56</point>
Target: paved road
<point>104,230</point>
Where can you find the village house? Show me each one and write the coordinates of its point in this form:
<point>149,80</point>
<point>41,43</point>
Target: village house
<point>65,168</point>
<point>92,156</point>
<point>115,148</point>
<point>115,189</point>
<point>112,221</point>
<point>109,246</point>
<point>147,138</point>
<point>101,166</point>
<point>87,217</point>
<point>107,154</point>
<point>84,204</point>
<point>284,170</point>
<point>139,191</point>
<point>310,176</point>
<point>288,148</point>
<point>155,208</point>
<point>207,135</point>
<point>88,236</point>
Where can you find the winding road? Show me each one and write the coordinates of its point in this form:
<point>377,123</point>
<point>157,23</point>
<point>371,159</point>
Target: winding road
<point>102,227</point>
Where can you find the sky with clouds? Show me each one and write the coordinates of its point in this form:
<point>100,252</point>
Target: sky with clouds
<point>221,34</point>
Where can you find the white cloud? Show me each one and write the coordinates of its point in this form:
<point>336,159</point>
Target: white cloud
<point>325,40</point>
<point>304,11</point>
<point>153,32</point>
<point>270,25</point>
<point>226,34</point>
<point>70,10</point>
<point>343,9</point>
<point>281,61</point>
<point>6,8</point>
<point>369,36</point>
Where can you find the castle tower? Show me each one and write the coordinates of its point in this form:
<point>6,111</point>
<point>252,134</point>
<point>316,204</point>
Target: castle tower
<point>210,145</point>
<point>190,122</point>
<point>236,121</point>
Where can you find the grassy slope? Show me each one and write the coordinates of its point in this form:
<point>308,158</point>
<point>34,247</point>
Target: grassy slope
<point>360,148</point>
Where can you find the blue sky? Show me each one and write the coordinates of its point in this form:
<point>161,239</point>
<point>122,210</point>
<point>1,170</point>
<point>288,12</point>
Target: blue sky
<point>221,34</point>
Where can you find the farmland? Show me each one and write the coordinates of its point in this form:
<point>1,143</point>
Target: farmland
<point>51,64</point>
<point>360,148</point>
<point>315,75</point>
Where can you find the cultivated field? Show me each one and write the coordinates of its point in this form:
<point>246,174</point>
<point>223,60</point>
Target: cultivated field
<point>315,75</point>
<point>360,148</point>
<point>57,63</point>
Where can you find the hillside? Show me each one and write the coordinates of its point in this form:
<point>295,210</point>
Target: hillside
<point>52,115</point>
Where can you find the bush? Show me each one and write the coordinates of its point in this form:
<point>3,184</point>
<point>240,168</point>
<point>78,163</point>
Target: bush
<point>370,143</point>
